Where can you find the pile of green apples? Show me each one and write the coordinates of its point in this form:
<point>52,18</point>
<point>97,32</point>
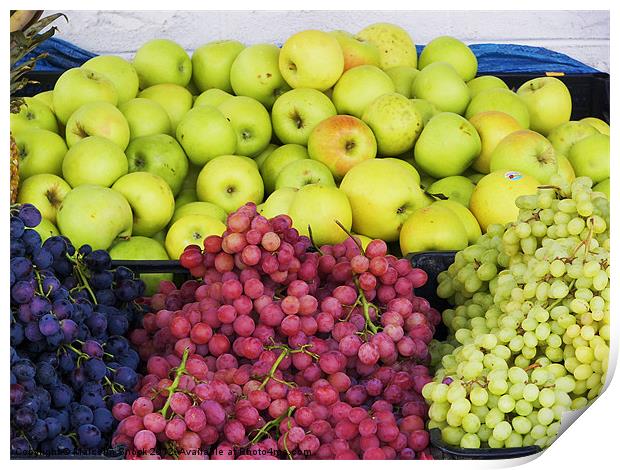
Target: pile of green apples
<point>144,157</point>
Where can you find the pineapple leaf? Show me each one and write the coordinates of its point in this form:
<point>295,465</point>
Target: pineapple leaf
<point>43,23</point>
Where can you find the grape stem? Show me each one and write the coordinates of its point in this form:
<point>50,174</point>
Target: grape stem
<point>312,240</point>
<point>83,278</point>
<point>274,423</point>
<point>348,232</point>
<point>173,386</point>
<point>365,309</point>
<point>274,368</point>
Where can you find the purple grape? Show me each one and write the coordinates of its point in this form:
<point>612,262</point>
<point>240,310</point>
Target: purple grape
<point>42,258</point>
<point>17,248</point>
<point>69,329</point>
<point>17,227</point>
<point>54,427</point>
<point>46,374</point>
<point>40,306</point>
<point>89,436</point>
<point>22,292</point>
<point>24,418</point>
<point>103,419</point>
<point>62,308</point>
<point>32,240</point>
<point>21,267</point>
<point>49,325</point>
<point>17,394</point>
<point>95,369</point>
<point>92,348</point>
<point>30,215</point>
<point>63,445</point>
<point>17,334</point>
<point>20,446</point>
<point>62,395</point>
<point>49,285</point>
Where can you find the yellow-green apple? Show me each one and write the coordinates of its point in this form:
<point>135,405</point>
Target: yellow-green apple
<point>79,86</point>
<point>485,82</point>
<point>363,239</point>
<point>395,122</point>
<point>211,97</point>
<point>317,207</point>
<point>160,237</point>
<point>472,227</point>
<point>603,187</point>
<point>277,160</point>
<point>191,230</point>
<point>33,113</point>
<point>45,191</point>
<point>448,144</point>
<point>94,161</point>
<point>185,196</point>
<point>46,229</point>
<point>433,228</point>
<point>255,73</point>
<point>47,97</point>
<point>189,182</point>
<point>119,71</point>
<point>160,155</point>
<point>278,202</point>
<point>251,124</point>
<point>211,64</point>
<point>473,175</point>
<point>548,102</point>
<point>40,151</point>
<point>499,99</point>
<point>341,142</point>
<point>100,119</point>
<point>407,163</point>
<point>145,117</point>
<point>528,152</point>
<point>142,248</point>
<point>493,200</point>
<point>566,135</point>
<point>95,216</point>
<point>565,169</point>
<point>383,193</point>
<point>598,124</point>
<point>311,59</point>
<point>356,50</point>
<point>205,133</point>
<point>441,84</point>
<point>303,172</point>
<point>450,50</point>
<point>230,181</point>
<point>456,188</point>
<point>297,112</point>
<point>426,109</point>
<point>261,157</point>
<point>360,86</point>
<point>403,77</point>
<point>151,201</point>
<point>199,208</point>
<point>394,44</point>
<point>590,157</point>
<point>492,127</point>
<point>175,99</point>
<point>162,61</point>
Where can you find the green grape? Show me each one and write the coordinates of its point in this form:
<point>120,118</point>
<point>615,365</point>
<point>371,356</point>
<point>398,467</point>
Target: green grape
<point>554,340</point>
<point>582,372</point>
<point>471,423</point>
<point>539,431</point>
<point>545,416</point>
<point>494,443</point>
<point>472,370</point>
<point>439,394</point>
<point>484,432</point>
<point>530,340</point>
<point>529,324</point>
<point>493,417</point>
<point>453,419</point>
<point>517,375</point>
<point>432,424</point>
<point>516,390</point>
<point>506,404</point>
<point>521,425</point>
<point>528,440</point>
<point>546,397</point>
<point>587,332</point>
<point>539,376</point>
<point>452,435</point>
<point>521,361</point>
<point>542,331</point>
<point>427,390</point>
<point>565,384</point>
<point>478,396</point>
<point>438,411</point>
<point>523,407</point>
<point>502,431</point>
<point>558,411</point>
<point>497,387</point>
<point>501,351</point>
<point>514,440</point>
<point>516,344</point>
<point>470,441</point>
<point>538,228</point>
<point>456,391</point>
<point>584,354</point>
<point>530,392</point>
<point>553,429</point>
<point>578,403</point>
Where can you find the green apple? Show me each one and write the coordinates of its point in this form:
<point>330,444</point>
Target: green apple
<point>40,151</point>
<point>432,228</point>
<point>278,202</point>
<point>548,102</point>
<point>79,86</point>
<point>95,216</point>
<point>426,109</point>
<point>145,117</point>
<point>47,97</point>
<point>317,207</point>
<point>383,193</point>
<point>450,50</point>
<point>403,77</point>
<point>565,169</point>
<point>33,113</point>
<point>394,44</point>
<point>160,155</point>
<point>603,187</point>
<point>396,123</point>
<point>211,97</point>
<point>151,201</point>
<point>492,127</point>
<point>456,188</point>
<point>590,157</point>
<point>189,182</point>
<point>407,162</point>
<point>527,152</point>
<point>230,181</point>
<point>472,227</point>
<point>447,146</point>
<point>162,61</point>
<point>46,229</point>
<point>119,71</point>
<point>175,99</point>
<point>473,176</point>
<point>160,237</point>
<point>205,133</point>
<point>485,82</point>
<point>311,59</point>
<point>142,248</point>
<point>277,160</point>
<point>303,172</point>
<point>261,157</point>
<point>356,51</point>
<point>185,197</point>
<point>441,84</point>
<point>251,123</point>
<point>498,99</point>
<point>100,119</point>
<point>566,135</point>
<point>94,161</point>
<point>191,230</point>
<point>598,124</point>
<point>296,112</point>
<point>212,62</point>
<point>46,192</point>
<point>341,142</point>
<point>255,73</point>
<point>493,200</point>
<point>199,208</point>
<point>360,86</point>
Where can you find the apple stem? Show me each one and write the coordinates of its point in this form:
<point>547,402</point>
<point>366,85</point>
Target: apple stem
<point>357,242</point>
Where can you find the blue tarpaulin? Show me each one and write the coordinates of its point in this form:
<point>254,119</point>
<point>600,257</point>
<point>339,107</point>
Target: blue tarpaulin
<point>492,58</point>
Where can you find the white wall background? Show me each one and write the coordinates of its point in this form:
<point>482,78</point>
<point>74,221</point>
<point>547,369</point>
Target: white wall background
<point>583,35</point>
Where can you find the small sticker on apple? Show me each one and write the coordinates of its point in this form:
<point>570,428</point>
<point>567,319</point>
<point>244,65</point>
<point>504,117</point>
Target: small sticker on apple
<point>513,175</point>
